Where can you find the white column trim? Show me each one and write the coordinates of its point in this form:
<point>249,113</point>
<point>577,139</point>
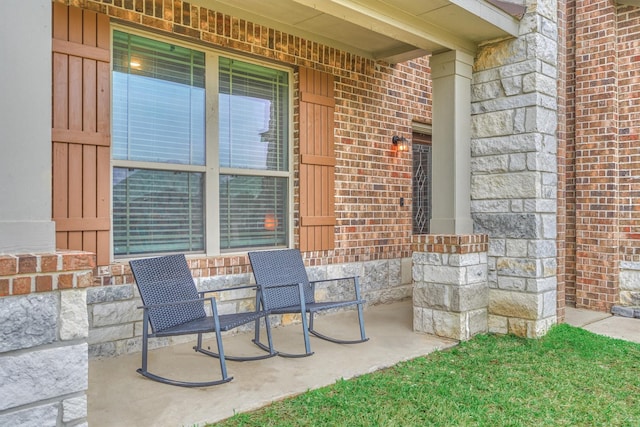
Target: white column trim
<point>451,174</point>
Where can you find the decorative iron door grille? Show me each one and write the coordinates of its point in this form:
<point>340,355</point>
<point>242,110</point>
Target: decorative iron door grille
<point>421,183</point>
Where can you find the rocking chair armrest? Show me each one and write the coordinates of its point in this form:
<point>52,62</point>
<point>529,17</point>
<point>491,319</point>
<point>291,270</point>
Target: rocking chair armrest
<point>166,304</point>
<point>355,279</point>
<point>335,279</point>
<point>233,288</point>
<point>283,285</point>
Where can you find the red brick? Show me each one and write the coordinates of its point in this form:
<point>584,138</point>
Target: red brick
<point>21,285</point>
<point>78,261</point>
<point>4,287</point>
<point>84,280</point>
<point>49,263</point>
<point>27,264</point>
<point>65,281</point>
<point>101,280</point>
<point>44,283</point>
<point>8,265</point>
<point>118,269</point>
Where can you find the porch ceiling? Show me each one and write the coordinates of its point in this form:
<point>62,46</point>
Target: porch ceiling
<point>389,30</point>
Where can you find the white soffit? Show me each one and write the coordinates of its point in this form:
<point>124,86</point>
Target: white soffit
<point>390,30</point>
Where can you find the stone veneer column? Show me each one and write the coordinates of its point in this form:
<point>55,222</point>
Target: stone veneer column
<point>514,171</point>
<point>451,80</point>
<point>450,290</point>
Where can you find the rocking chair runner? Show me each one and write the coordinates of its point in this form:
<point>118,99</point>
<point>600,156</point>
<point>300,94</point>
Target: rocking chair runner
<point>284,287</point>
<point>173,306</point>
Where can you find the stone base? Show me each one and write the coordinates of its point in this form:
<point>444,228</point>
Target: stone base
<point>450,289</point>
<point>44,327</point>
<point>521,327</point>
<point>618,310</point>
<point>459,326</point>
<point>629,298</point>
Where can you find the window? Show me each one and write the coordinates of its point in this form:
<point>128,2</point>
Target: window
<point>200,150</point>
<point>421,148</point>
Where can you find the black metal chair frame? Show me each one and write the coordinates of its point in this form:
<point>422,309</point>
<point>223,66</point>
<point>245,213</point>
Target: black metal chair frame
<point>173,306</point>
<point>284,287</point>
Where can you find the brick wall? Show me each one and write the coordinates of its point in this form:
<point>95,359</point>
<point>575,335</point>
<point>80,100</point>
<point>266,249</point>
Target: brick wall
<point>374,101</point>
<point>628,60</point>
<point>628,35</point>
<point>566,161</point>
<point>24,274</point>
<point>600,133</point>
<point>597,159</point>
<point>450,244</point>
<point>596,155</point>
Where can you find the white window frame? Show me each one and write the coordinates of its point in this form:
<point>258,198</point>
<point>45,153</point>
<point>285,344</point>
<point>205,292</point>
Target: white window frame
<point>211,169</point>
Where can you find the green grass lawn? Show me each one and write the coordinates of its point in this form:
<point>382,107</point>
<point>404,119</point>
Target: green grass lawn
<point>570,377</point>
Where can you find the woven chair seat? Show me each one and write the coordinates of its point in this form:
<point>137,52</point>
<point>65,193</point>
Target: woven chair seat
<point>207,324</point>
<point>316,306</point>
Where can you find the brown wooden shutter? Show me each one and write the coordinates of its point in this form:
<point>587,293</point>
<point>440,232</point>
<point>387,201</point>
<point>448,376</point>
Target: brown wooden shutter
<point>81,126</point>
<point>317,161</point>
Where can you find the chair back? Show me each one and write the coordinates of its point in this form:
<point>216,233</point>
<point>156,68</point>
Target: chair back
<point>280,267</point>
<point>167,279</point>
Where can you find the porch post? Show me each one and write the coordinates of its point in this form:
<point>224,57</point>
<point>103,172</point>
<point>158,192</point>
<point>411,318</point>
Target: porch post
<point>451,79</point>
<point>514,181</point>
<point>25,108</point>
<point>450,288</point>
<point>43,312</point>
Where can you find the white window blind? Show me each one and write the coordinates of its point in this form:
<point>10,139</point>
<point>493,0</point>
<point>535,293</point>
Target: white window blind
<point>157,211</point>
<point>158,118</point>
<point>158,101</point>
<point>253,123</point>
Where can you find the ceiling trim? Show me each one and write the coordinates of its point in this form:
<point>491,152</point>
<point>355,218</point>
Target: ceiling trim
<point>384,19</point>
<point>401,54</point>
<point>492,14</point>
<point>289,29</point>
<point>388,30</point>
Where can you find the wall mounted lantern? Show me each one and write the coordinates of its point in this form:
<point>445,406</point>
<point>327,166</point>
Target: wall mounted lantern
<point>400,143</point>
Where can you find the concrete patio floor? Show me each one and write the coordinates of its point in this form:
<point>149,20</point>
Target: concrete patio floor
<point>118,396</point>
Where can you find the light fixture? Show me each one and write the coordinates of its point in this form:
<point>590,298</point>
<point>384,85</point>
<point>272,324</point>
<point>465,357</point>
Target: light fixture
<point>400,143</point>
<point>270,222</point>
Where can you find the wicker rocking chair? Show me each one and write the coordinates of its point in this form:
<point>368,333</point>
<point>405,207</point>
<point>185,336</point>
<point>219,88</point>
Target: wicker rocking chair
<point>284,287</point>
<point>173,306</point>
